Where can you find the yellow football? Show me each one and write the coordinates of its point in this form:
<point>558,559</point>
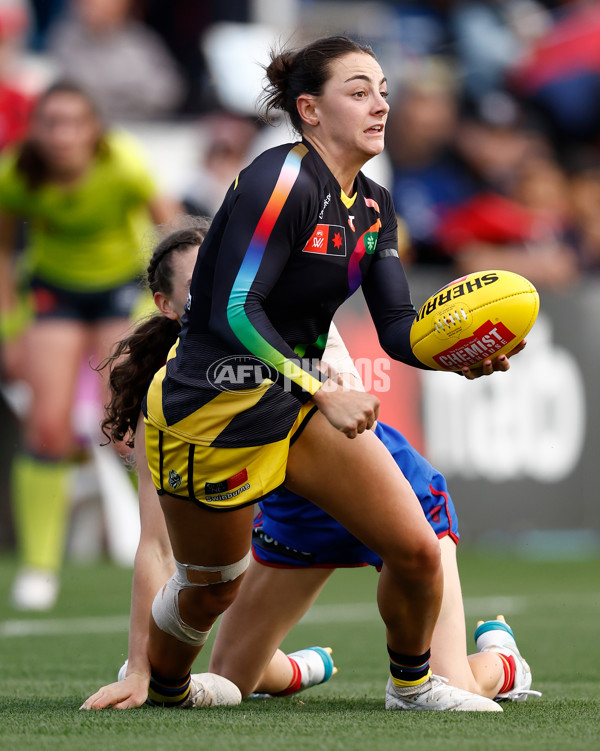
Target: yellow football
<point>481,315</point>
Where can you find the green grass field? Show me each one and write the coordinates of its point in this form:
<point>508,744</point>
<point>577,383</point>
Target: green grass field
<point>50,663</point>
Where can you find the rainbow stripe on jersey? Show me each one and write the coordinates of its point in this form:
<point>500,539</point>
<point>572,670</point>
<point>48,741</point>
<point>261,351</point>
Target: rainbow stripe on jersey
<point>236,307</point>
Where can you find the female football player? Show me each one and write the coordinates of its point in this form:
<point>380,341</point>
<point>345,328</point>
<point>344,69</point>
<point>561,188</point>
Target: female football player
<point>296,545</point>
<point>241,406</point>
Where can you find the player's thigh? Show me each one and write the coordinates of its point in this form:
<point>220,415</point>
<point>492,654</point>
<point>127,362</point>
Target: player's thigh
<point>358,482</point>
<point>207,538</point>
<point>270,602</point>
<point>203,537</point>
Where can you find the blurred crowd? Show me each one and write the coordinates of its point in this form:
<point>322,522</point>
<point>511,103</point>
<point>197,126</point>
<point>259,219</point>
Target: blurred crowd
<point>492,159</point>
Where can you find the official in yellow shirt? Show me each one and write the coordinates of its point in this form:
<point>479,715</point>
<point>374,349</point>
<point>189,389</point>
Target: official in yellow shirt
<point>87,199</point>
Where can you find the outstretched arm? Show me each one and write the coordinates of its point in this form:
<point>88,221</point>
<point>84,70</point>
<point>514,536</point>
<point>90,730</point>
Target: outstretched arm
<point>153,566</point>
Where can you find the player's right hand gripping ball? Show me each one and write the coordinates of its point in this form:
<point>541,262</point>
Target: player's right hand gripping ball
<point>481,315</point>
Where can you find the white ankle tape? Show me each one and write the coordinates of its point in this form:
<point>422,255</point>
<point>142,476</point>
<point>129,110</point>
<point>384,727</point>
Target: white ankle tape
<point>204,576</point>
<point>165,611</point>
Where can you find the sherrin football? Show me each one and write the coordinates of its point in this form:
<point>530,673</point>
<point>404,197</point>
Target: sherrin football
<point>481,315</point>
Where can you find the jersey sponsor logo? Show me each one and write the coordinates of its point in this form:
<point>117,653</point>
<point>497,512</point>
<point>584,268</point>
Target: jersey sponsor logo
<point>230,488</point>
<point>270,544</point>
<point>370,241</point>
<point>231,483</point>
<point>327,239</point>
<point>227,496</point>
<point>351,222</point>
<point>484,342</point>
<point>174,479</point>
<point>325,205</point>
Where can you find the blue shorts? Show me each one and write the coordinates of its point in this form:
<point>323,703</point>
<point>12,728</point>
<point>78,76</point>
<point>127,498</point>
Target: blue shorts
<point>291,532</point>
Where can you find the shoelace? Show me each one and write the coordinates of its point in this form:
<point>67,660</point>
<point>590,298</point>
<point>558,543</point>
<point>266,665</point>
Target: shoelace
<point>436,682</point>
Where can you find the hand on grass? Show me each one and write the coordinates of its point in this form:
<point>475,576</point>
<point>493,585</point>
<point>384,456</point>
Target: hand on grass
<point>127,694</point>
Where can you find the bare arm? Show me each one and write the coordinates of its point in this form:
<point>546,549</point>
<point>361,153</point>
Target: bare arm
<point>153,566</point>
<point>164,209</point>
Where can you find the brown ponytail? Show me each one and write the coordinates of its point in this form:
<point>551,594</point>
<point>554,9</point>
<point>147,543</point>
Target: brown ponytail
<point>304,71</point>
<point>136,358</point>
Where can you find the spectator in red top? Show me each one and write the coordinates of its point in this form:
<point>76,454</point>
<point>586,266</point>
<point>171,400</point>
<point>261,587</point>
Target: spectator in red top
<point>526,230</point>
<point>15,100</point>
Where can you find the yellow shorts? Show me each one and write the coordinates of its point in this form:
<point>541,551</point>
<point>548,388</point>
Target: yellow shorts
<point>219,478</point>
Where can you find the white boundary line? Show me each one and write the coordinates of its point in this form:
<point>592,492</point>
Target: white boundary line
<point>359,612</point>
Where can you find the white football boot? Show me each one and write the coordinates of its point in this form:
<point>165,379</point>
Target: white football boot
<point>35,590</point>
<point>437,695</point>
<point>497,636</point>
<point>206,690</point>
<point>211,690</point>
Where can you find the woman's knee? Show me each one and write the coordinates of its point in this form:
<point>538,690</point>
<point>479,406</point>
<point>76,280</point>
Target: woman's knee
<point>50,435</point>
<point>420,560</point>
<point>201,606</point>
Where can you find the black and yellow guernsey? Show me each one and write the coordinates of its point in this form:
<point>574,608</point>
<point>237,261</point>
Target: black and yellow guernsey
<point>284,251</point>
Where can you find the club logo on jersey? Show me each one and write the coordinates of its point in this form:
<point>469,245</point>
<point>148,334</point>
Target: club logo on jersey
<point>434,514</point>
<point>174,479</point>
<point>327,239</point>
<point>227,489</point>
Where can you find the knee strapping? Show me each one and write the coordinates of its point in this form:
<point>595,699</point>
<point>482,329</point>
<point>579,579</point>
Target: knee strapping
<point>204,576</point>
<point>165,608</point>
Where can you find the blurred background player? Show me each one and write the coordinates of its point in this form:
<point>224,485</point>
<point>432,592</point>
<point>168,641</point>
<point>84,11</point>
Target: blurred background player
<point>88,199</point>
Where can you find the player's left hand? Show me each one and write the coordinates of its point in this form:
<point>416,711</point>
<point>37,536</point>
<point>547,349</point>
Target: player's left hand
<point>127,694</point>
<point>487,367</point>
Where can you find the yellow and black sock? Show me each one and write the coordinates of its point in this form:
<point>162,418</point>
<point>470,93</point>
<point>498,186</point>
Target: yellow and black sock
<point>164,692</point>
<point>409,670</point>
<point>40,510</point>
